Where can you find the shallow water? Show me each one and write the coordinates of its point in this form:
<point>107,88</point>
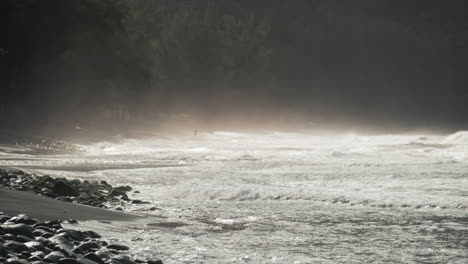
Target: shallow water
<point>285,198</point>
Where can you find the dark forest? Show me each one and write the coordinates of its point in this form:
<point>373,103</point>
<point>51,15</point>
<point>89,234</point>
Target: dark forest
<point>93,63</point>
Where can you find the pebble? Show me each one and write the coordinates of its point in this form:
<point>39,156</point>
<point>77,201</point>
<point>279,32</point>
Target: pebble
<point>24,240</point>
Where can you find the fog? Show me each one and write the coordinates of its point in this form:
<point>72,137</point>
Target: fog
<point>93,67</point>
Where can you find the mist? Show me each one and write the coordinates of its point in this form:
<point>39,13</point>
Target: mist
<point>369,66</point>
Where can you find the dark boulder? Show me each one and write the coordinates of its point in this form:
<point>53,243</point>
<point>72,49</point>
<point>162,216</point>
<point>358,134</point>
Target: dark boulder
<point>68,261</point>
<point>85,261</point>
<point>35,245</point>
<point>16,261</point>
<point>94,257</point>
<point>155,261</point>
<point>117,247</point>
<point>23,239</point>
<point>123,259</point>
<point>18,229</point>
<point>54,257</point>
<point>92,234</point>
<point>23,219</point>
<point>63,189</point>
<point>16,247</point>
<point>3,251</point>
<point>86,246</point>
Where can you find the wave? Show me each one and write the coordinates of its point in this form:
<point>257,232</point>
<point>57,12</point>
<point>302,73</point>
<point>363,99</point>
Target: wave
<point>237,192</point>
<point>458,138</point>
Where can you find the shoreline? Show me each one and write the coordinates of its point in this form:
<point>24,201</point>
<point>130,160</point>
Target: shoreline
<point>31,230</point>
<point>44,208</point>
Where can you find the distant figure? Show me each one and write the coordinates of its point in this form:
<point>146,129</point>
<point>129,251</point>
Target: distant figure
<point>195,132</point>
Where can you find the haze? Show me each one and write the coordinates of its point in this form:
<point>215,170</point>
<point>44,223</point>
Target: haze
<point>368,66</point>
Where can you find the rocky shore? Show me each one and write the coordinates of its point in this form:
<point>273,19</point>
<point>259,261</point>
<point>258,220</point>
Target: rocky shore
<point>94,193</point>
<point>24,240</point>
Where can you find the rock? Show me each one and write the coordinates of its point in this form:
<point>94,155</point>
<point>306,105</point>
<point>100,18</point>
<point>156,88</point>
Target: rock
<point>155,261</point>
<point>39,262</point>
<point>85,261</point>
<point>71,221</point>
<point>3,251</point>
<point>94,257</point>
<point>50,195</point>
<point>92,234</point>
<point>42,233</point>
<point>23,219</point>
<point>9,237</point>
<point>123,259</point>
<point>18,229</point>
<point>44,241</point>
<point>34,258</point>
<point>73,234</point>
<point>54,257</point>
<point>16,246</point>
<point>104,254</point>
<point>23,239</point>
<point>16,261</point>
<point>68,261</point>
<point>85,246</point>
<point>117,247</point>
<point>39,254</point>
<point>139,202</point>
<point>77,250</point>
<point>35,245</point>
<point>63,189</point>
<point>115,193</point>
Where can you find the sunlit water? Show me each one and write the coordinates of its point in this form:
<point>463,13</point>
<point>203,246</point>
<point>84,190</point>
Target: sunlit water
<point>285,198</point>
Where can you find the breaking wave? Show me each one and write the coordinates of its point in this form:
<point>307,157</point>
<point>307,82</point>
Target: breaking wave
<point>459,138</point>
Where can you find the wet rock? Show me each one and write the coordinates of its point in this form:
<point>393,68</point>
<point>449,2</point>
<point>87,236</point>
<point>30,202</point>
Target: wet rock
<point>139,202</point>
<point>73,234</point>
<point>35,245</point>
<point>44,241</point>
<point>77,250</point>
<point>16,247</point>
<point>39,262</point>
<point>3,251</point>
<point>50,195</point>
<point>54,257</point>
<point>23,219</point>
<point>85,261</point>
<point>123,259</point>
<point>104,254</point>
<point>68,261</point>
<point>23,239</point>
<point>94,257</point>
<point>39,254</point>
<point>63,189</point>
<point>71,221</point>
<point>86,246</point>
<point>155,261</point>
<point>92,234</point>
<point>62,245</point>
<point>9,237</point>
<point>117,247</point>
<point>34,258</point>
<point>116,193</point>
<point>16,261</point>
<point>42,233</point>
<point>18,229</point>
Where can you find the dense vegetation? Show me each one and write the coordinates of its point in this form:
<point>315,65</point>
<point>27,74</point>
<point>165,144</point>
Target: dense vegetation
<point>87,61</point>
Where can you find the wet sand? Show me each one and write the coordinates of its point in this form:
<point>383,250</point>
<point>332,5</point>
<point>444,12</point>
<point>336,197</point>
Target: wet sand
<point>43,208</point>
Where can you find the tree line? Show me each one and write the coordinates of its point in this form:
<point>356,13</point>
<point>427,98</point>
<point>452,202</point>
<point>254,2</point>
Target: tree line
<point>94,60</point>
